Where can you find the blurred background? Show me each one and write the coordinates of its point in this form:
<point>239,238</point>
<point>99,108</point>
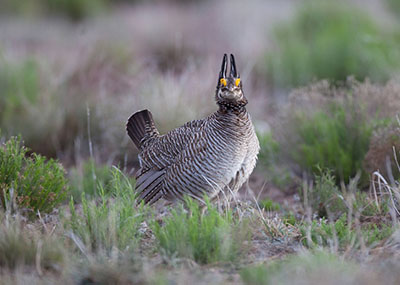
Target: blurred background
<point>321,77</point>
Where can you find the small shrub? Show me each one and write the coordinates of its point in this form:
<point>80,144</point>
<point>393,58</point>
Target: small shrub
<point>33,182</point>
<point>331,127</point>
<point>326,198</point>
<point>207,238</point>
<point>111,221</point>
<point>329,40</point>
<point>337,140</point>
<point>376,233</point>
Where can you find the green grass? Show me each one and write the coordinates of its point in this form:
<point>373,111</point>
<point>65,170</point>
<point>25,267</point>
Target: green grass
<point>90,178</point>
<point>110,221</point>
<point>337,139</point>
<point>32,182</point>
<point>326,234</point>
<point>329,40</point>
<point>205,238</point>
<point>269,205</point>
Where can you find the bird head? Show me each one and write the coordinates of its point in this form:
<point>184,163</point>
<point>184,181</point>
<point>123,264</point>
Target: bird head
<point>229,88</point>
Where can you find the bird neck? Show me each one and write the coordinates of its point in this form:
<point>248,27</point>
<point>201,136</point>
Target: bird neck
<point>232,107</point>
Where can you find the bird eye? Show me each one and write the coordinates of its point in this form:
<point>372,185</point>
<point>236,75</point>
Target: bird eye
<point>237,82</point>
<point>223,81</point>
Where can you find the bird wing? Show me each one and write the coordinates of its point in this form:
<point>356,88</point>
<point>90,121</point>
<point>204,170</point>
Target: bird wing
<point>158,156</point>
<point>185,175</point>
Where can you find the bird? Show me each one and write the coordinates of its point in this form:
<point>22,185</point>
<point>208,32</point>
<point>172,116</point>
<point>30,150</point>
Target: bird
<point>205,158</point>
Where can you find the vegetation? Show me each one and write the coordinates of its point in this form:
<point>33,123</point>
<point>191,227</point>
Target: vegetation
<point>270,160</point>
<point>329,40</point>
<point>20,246</point>
<point>394,6</point>
<point>111,221</point>
<point>90,178</point>
<point>269,205</point>
<point>336,141</point>
<point>342,235</point>
<point>307,268</point>
<point>332,127</point>
<point>32,182</point>
<point>207,238</point>
<point>322,204</point>
<point>74,10</point>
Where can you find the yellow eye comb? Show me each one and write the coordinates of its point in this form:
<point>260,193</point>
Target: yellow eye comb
<point>237,82</point>
<point>223,81</point>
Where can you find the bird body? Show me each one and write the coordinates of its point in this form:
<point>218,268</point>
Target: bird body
<point>213,156</point>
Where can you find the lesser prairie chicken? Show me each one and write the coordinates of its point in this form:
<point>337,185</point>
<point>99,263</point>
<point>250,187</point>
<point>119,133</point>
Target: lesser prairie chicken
<point>212,156</point>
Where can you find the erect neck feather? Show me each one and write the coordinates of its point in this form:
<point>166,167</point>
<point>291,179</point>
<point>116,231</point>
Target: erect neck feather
<point>232,106</point>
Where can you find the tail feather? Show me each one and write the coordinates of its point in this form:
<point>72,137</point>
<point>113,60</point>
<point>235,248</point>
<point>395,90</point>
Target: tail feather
<point>140,124</point>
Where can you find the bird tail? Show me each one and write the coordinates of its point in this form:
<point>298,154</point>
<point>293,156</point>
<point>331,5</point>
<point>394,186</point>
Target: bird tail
<point>139,125</point>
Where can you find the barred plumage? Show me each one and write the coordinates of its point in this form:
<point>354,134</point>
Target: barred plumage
<point>212,156</point>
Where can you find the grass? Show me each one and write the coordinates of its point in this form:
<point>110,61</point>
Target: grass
<point>205,238</point>
<point>107,237</point>
<point>347,219</point>
<point>89,178</point>
<point>32,182</point>
<point>343,236</point>
<point>307,268</point>
<point>269,205</point>
<point>104,237</point>
<point>328,40</point>
<point>109,222</point>
<point>20,246</point>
